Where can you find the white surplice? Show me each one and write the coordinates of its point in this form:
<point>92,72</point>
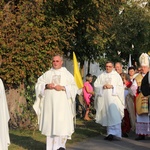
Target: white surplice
<point>4,118</point>
<point>56,109</point>
<point>110,102</point>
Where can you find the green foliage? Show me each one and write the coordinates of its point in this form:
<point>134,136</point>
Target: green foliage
<point>81,25</point>
<point>131,33</point>
<point>94,18</point>
<point>26,45</point>
<point>26,48</point>
<point>60,17</point>
<point>33,31</point>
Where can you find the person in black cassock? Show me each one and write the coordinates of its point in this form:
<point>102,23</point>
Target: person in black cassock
<point>145,86</point>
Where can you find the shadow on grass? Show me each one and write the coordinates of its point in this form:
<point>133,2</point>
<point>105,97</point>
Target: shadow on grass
<point>86,129</point>
<point>26,142</point>
<point>91,128</point>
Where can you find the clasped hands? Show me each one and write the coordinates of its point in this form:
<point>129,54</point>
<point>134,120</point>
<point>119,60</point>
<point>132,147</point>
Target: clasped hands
<point>55,87</point>
<point>107,86</point>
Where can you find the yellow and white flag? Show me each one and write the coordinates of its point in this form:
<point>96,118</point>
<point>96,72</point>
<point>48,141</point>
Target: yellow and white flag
<point>77,75</point>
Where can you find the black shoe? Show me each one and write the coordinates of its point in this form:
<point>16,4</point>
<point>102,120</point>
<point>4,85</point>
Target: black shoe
<point>61,148</point>
<point>140,137</point>
<point>110,137</point>
<point>106,138</point>
<point>125,135</point>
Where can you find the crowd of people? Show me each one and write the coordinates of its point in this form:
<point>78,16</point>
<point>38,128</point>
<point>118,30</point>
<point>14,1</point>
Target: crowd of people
<point>120,100</point>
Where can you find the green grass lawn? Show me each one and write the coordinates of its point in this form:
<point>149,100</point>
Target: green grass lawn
<point>33,140</point>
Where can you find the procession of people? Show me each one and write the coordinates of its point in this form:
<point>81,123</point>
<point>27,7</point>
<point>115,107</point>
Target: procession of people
<point>121,101</point>
<point>115,94</point>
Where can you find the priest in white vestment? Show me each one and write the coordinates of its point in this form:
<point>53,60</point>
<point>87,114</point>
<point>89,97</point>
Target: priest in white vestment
<point>55,104</point>
<point>110,101</point>
<point>4,118</point>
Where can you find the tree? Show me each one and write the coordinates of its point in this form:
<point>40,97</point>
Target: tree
<point>94,19</point>
<point>33,31</point>
<point>131,32</point>
<point>61,20</point>
<point>82,26</point>
<point>26,48</point>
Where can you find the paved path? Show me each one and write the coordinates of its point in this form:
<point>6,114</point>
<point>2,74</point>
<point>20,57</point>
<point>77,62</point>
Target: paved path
<point>98,143</point>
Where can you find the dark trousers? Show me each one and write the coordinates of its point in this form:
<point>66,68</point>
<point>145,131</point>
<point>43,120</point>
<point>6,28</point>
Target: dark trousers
<point>126,125</point>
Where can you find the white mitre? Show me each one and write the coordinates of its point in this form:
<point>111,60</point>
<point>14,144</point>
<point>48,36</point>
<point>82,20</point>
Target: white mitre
<point>144,59</point>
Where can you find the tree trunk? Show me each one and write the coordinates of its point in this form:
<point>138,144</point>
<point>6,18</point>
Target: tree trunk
<point>17,107</point>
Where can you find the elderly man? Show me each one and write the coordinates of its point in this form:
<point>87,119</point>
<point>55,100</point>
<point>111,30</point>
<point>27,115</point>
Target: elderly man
<point>141,119</point>
<point>54,105</point>
<point>110,101</point>
<point>118,67</point>
<point>4,118</point>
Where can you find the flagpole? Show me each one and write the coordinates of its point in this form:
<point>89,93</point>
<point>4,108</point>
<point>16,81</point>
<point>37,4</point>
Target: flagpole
<point>129,63</point>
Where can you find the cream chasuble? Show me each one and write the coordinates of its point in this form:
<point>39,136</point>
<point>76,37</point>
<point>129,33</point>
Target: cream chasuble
<point>56,109</point>
<point>110,102</point>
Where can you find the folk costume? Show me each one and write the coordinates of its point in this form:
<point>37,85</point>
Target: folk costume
<point>4,118</point>
<point>142,120</point>
<point>56,109</point>
<point>110,102</point>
